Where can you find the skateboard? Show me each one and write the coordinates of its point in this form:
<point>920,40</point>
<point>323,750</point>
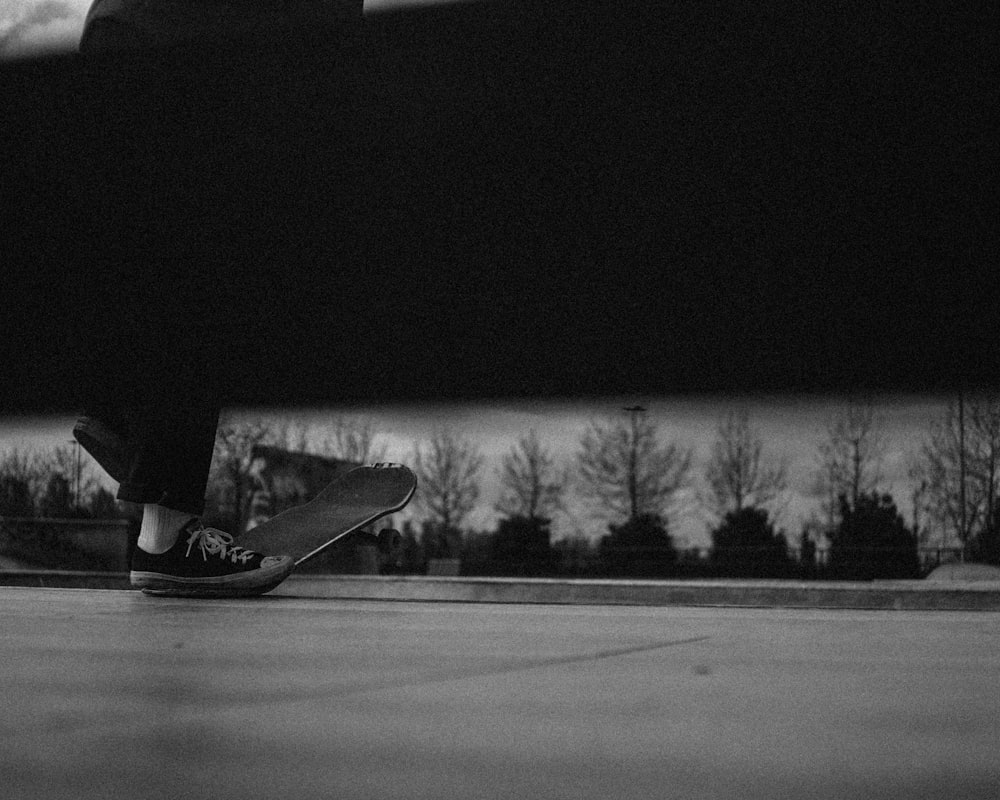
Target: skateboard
<point>350,503</point>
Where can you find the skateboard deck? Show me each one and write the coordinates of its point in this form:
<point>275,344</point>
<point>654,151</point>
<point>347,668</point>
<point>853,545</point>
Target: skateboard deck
<point>351,502</point>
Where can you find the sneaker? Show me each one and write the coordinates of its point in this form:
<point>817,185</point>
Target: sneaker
<point>107,447</point>
<point>205,563</point>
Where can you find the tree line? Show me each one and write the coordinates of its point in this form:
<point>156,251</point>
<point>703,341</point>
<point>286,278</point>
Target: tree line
<point>633,480</point>
<point>57,484</point>
<point>638,484</point>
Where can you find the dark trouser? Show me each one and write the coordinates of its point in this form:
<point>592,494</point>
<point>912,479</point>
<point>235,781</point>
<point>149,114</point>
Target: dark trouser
<point>169,450</point>
<point>168,446</point>
<point>169,427</point>
<point>116,24</point>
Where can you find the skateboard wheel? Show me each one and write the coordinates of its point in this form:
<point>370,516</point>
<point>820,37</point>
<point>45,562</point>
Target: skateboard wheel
<point>389,540</point>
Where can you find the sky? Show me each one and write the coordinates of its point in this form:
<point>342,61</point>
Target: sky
<point>790,428</point>
<point>32,27</point>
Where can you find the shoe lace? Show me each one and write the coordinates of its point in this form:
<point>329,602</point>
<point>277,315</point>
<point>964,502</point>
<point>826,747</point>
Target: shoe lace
<point>219,544</point>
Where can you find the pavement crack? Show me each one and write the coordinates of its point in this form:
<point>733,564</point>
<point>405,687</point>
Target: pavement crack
<point>520,665</point>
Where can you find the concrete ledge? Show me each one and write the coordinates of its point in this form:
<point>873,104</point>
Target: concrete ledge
<point>889,595</point>
<point>898,595</point>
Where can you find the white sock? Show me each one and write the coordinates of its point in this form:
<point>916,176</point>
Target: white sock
<point>160,527</point>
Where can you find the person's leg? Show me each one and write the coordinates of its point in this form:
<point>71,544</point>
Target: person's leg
<point>146,24</point>
<point>163,449</point>
<point>167,472</point>
<point>170,445</point>
<point>114,25</point>
<point>104,434</point>
<point>161,452</point>
<point>176,555</point>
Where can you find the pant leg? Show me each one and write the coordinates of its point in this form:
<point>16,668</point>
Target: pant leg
<point>171,452</point>
<point>132,24</point>
<point>171,437</point>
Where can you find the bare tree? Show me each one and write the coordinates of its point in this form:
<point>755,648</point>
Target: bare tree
<point>22,481</point>
<point>351,440</point>
<point>916,471</point>
<point>231,483</point>
<point>448,474</point>
<point>59,482</point>
<point>737,474</point>
<point>977,438</point>
<point>984,465</point>
<point>850,458</point>
<point>530,485</point>
<point>71,464</point>
<point>626,473</point>
<point>343,438</point>
<point>291,434</point>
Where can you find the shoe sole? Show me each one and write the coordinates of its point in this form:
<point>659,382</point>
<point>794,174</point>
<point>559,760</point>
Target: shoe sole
<point>242,584</point>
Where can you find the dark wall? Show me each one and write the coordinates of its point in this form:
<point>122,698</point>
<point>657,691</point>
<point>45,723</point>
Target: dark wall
<point>478,201</point>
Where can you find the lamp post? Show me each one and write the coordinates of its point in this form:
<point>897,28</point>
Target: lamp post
<point>76,483</point>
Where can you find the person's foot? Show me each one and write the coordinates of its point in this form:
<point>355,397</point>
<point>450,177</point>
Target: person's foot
<point>107,447</point>
<point>205,563</point>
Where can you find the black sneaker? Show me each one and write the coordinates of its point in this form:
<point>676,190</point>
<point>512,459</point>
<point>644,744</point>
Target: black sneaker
<point>205,563</point>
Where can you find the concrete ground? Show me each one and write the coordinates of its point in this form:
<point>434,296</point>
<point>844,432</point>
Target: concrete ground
<point>109,694</point>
